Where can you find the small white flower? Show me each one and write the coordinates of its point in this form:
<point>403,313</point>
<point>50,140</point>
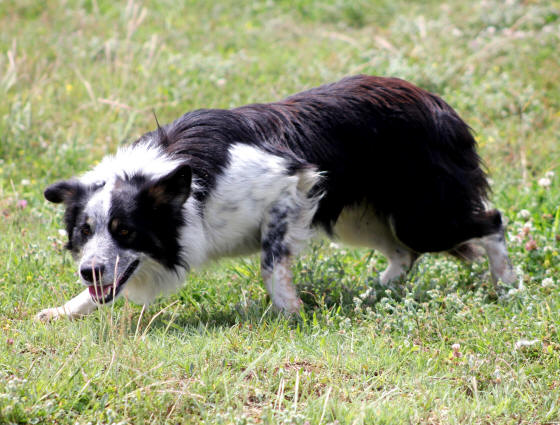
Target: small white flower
<point>514,291</point>
<point>25,182</point>
<point>456,32</point>
<point>547,282</point>
<point>456,353</point>
<point>524,214</point>
<point>62,232</point>
<point>366,293</point>
<point>334,245</point>
<point>528,228</point>
<point>545,182</point>
<point>549,174</point>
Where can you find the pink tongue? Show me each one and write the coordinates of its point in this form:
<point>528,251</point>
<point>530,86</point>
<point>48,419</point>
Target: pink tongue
<point>99,291</point>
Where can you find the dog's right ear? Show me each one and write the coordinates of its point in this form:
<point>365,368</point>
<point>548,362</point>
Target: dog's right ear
<point>63,191</point>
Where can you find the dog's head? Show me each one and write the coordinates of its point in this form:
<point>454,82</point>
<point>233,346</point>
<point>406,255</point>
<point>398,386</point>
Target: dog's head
<point>125,228</point>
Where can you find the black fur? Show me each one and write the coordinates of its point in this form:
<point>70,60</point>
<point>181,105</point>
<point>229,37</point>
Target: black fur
<point>273,245</point>
<point>151,213</point>
<point>380,140</point>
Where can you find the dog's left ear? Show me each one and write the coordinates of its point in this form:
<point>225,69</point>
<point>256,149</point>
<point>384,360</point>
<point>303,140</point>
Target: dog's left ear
<point>174,188</point>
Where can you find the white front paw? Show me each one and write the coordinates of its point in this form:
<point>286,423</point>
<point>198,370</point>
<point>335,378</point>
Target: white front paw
<point>294,306</point>
<point>48,315</point>
<point>289,305</point>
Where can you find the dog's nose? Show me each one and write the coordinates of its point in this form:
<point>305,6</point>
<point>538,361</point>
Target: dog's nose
<point>92,274</point>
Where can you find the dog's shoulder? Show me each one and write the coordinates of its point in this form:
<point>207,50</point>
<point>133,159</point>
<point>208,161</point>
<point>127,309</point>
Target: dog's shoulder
<point>254,180</point>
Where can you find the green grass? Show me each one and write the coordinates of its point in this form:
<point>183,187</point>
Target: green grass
<point>79,78</point>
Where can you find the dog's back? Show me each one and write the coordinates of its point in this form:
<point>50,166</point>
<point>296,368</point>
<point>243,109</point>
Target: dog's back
<point>384,141</point>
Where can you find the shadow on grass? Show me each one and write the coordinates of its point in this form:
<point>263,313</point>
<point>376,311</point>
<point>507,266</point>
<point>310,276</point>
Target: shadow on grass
<point>330,282</point>
<point>323,295</point>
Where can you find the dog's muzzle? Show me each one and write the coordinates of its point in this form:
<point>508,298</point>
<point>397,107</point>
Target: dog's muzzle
<point>103,294</point>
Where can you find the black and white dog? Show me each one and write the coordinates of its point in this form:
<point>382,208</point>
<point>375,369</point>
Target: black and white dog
<point>372,161</point>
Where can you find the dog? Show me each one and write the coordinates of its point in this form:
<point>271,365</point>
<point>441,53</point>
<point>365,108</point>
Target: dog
<point>370,161</point>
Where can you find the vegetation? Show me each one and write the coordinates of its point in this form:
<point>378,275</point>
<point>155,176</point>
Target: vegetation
<point>78,78</point>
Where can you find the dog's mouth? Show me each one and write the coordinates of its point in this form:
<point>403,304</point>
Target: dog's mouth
<point>103,294</point>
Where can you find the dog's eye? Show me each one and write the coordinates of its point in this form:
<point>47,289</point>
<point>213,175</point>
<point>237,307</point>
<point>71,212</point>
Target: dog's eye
<point>86,229</point>
<point>123,232</point>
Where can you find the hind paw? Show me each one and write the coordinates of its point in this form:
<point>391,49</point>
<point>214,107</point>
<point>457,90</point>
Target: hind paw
<point>507,276</point>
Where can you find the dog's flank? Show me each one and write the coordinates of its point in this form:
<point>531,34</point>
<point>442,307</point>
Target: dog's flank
<point>372,161</point>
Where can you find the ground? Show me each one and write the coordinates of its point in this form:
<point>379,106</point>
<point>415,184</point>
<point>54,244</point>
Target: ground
<point>79,78</point>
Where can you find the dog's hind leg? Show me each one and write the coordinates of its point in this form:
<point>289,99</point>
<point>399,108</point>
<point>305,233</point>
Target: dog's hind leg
<point>500,265</point>
<point>457,234</point>
<point>491,229</point>
<point>400,260</point>
<point>81,305</point>
<point>362,226</point>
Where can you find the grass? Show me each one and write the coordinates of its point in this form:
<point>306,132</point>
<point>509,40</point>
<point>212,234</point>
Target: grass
<point>78,79</point>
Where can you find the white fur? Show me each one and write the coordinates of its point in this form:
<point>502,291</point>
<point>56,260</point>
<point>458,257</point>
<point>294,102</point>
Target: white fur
<point>80,305</point>
<point>235,215</point>
<point>234,211</point>
<point>141,158</point>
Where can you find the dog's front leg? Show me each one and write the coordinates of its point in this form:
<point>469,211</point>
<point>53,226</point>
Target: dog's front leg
<point>276,262</point>
<point>278,280</point>
<point>81,305</point>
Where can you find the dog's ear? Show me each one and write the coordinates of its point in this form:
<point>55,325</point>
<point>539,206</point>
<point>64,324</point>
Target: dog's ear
<point>174,188</point>
<point>64,191</point>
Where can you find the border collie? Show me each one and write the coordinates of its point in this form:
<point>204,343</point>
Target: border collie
<point>374,162</point>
